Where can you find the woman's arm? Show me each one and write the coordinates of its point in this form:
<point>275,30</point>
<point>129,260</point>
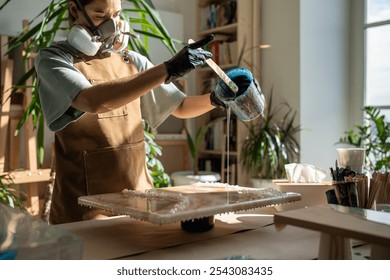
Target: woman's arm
<point>100,98</point>
<point>193,106</point>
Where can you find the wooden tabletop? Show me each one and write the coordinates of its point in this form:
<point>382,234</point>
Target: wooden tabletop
<point>348,222</point>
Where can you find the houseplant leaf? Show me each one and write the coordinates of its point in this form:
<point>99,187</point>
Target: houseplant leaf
<point>271,142</point>
<point>373,135</point>
<point>193,145</point>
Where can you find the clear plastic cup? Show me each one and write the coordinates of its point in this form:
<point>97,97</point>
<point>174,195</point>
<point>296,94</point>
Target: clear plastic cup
<point>248,103</point>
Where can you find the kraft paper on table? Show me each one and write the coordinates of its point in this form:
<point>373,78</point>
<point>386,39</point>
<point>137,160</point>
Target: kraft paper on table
<point>266,243</point>
<point>120,237</point>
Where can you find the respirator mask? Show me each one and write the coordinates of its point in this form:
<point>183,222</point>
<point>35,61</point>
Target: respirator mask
<point>109,36</point>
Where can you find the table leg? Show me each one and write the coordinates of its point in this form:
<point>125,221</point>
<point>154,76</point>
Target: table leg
<point>333,247</point>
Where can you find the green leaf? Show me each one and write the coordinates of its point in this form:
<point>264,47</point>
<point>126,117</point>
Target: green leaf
<point>191,143</point>
<point>271,142</point>
<point>8,195</point>
<point>4,4</point>
<point>373,135</point>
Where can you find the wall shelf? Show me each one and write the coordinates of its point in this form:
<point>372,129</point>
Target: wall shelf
<point>230,29</point>
<point>239,31</point>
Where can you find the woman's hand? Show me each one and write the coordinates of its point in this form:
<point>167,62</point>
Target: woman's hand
<point>190,57</point>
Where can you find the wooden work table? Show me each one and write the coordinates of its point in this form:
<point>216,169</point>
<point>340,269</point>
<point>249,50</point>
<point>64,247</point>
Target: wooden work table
<point>251,235</point>
<point>338,225</point>
<point>302,234</point>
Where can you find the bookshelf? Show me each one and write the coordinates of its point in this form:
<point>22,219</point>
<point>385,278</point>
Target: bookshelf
<point>236,26</point>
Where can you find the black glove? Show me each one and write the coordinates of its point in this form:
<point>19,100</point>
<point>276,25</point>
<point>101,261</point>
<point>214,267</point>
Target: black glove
<point>186,60</point>
<point>216,102</point>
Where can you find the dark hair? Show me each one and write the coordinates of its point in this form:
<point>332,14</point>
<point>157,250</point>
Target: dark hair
<point>82,2</point>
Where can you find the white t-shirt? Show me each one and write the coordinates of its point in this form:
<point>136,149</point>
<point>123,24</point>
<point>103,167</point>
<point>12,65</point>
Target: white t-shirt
<point>59,82</point>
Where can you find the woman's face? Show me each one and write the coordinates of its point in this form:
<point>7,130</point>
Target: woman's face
<point>98,11</point>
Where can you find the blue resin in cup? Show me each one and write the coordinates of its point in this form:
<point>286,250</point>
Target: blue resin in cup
<point>248,103</point>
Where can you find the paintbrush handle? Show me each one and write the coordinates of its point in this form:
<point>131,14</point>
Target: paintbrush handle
<point>232,85</point>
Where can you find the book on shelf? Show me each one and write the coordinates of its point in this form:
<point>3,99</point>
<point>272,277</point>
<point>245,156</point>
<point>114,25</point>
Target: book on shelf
<point>208,84</point>
<point>218,14</point>
<point>210,164</point>
<point>216,135</point>
<point>224,51</point>
<point>214,49</point>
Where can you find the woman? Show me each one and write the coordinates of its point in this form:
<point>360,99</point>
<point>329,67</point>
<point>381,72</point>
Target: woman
<point>94,94</point>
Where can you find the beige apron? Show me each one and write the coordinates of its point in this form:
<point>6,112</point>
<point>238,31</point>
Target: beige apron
<point>99,153</point>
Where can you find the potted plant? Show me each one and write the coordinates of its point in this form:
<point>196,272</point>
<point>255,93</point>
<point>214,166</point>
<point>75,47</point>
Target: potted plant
<point>156,169</point>
<point>188,177</point>
<point>373,135</point>
<point>41,32</point>
<point>271,143</point>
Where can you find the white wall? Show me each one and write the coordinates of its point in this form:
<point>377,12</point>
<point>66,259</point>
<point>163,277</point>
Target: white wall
<point>17,11</point>
<point>280,64</point>
<point>307,66</point>
<point>324,78</point>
